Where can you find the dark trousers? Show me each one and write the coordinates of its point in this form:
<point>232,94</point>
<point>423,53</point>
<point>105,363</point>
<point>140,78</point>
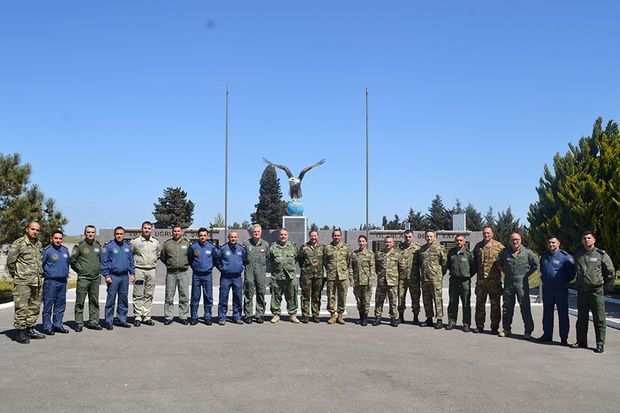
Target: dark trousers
<point>204,284</point>
<point>591,300</point>
<point>556,297</point>
<point>54,299</point>
<point>228,281</point>
<point>119,286</point>
<point>459,288</point>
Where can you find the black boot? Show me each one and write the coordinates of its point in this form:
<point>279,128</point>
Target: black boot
<point>377,321</point>
<point>363,320</point>
<point>401,317</point>
<point>416,320</point>
<point>428,322</point>
<point>439,324</point>
<point>21,337</point>
<point>394,322</point>
<point>34,334</point>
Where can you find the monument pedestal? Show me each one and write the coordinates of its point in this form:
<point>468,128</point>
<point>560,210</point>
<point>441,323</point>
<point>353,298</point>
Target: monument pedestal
<point>296,225</point>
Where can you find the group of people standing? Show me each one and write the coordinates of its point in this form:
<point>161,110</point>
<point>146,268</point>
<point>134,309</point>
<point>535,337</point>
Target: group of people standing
<point>395,271</point>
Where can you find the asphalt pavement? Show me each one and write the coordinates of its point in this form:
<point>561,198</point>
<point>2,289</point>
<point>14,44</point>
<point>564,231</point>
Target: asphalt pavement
<point>303,368</point>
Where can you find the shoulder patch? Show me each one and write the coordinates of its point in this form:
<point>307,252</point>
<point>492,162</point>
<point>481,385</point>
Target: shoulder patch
<point>601,251</point>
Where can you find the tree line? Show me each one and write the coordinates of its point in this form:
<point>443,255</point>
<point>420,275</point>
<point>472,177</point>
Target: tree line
<point>580,190</point>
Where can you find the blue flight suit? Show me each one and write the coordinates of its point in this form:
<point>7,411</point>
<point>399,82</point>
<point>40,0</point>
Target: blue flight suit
<point>556,271</point>
<point>229,260</point>
<point>201,257</point>
<point>56,263</point>
<point>117,263</point>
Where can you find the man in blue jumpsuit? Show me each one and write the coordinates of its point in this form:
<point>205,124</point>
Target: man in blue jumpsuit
<point>56,261</point>
<point>229,260</point>
<point>201,255</point>
<point>557,269</point>
<point>118,269</point>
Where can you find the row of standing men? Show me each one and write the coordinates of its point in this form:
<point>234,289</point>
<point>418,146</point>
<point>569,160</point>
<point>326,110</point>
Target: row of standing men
<point>397,271</point>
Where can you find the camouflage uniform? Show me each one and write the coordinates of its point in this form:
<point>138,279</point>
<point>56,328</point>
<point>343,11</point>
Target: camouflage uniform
<point>488,282</point>
<point>433,260</point>
<point>310,260</point>
<point>387,281</point>
<point>516,267</point>
<point>408,280</point>
<point>283,277</point>
<point>363,279</point>
<point>25,267</point>
<point>337,260</point>
<point>594,270</point>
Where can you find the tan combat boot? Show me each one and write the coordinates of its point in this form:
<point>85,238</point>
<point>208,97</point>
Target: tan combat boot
<point>294,319</point>
<point>340,319</point>
<point>332,319</point>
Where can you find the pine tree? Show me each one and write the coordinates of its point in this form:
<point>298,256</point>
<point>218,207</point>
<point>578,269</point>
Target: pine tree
<point>474,218</point>
<point>458,209</point>
<point>506,224</point>
<point>21,202</point>
<point>438,216</point>
<point>417,221</point>
<point>173,208</point>
<point>270,208</point>
<point>489,218</point>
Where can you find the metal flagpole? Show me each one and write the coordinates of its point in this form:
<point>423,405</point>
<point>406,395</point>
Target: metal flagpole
<point>367,229</point>
<point>226,175</point>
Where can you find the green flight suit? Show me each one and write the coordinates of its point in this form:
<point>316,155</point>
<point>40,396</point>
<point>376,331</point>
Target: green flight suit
<point>85,261</point>
<point>460,265</point>
<point>594,270</point>
<point>255,280</point>
<point>517,266</point>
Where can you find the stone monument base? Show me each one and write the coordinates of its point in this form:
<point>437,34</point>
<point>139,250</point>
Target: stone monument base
<point>296,225</point>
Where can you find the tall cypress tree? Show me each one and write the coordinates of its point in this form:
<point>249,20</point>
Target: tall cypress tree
<point>270,208</point>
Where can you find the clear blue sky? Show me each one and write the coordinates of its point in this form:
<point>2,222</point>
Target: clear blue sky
<point>113,101</point>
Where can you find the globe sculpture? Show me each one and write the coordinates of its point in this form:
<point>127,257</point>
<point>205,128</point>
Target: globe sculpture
<point>294,207</point>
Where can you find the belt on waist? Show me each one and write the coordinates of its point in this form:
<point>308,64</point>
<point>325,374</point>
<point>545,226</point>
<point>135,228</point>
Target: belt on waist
<point>145,268</point>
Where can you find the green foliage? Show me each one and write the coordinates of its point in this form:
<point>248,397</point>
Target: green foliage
<point>489,218</point>
<point>438,216</point>
<point>270,208</point>
<point>218,221</point>
<point>474,218</point>
<point>505,225</point>
<point>582,193</point>
<point>173,208</point>
<point>313,227</point>
<point>417,221</point>
<point>21,202</point>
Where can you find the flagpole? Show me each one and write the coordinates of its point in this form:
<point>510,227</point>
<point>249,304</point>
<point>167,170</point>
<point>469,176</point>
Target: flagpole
<point>226,175</point>
<point>367,229</point>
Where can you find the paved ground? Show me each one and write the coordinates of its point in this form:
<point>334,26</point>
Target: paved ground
<point>305,368</point>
